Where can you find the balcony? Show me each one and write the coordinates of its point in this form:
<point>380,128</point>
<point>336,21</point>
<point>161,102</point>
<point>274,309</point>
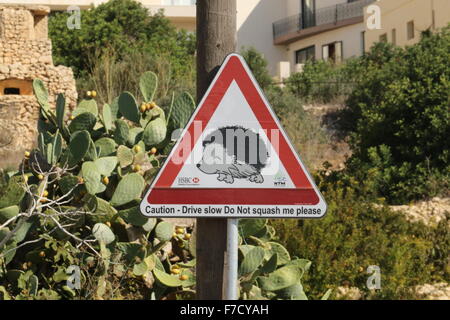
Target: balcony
<point>300,26</point>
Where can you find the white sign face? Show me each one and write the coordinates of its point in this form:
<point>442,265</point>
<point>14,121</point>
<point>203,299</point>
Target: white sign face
<point>233,159</point>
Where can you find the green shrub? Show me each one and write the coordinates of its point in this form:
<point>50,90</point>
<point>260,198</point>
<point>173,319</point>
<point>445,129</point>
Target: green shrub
<point>356,234</point>
<point>122,26</point>
<point>399,121</point>
<point>258,65</point>
<point>324,82</point>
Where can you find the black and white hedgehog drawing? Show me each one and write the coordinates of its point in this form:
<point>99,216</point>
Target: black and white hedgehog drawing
<point>234,152</point>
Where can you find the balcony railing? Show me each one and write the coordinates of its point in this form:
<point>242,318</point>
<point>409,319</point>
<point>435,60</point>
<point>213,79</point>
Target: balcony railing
<point>322,16</point>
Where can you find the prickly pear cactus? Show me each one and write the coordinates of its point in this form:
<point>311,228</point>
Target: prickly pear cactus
<point>266,270</point>
<point>85,180</point>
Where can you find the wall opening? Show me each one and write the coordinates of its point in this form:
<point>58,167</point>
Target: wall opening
<point>8,91</point>
<point>16,87</point>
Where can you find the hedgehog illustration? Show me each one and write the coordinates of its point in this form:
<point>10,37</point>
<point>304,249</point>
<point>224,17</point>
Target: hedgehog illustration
<point>234,152</point>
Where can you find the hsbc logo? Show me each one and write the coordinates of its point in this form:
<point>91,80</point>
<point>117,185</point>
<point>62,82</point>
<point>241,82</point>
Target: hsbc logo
<point>188,180</point>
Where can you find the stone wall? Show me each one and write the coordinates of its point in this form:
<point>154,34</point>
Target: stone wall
<point>26,54</point>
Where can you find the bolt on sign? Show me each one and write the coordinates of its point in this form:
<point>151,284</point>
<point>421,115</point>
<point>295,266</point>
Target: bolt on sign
<point>233,159</point>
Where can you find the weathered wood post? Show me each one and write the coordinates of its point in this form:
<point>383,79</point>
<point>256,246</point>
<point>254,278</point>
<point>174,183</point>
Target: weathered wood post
<point>216,38</point>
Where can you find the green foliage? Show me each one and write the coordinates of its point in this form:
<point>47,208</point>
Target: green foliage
<point>98,169</point>
<point>258,66</point>
<point>398,119</point>
<point>124,26</point>
<point>266,270</point>
<point>325,82</point>
<point>356,234</point>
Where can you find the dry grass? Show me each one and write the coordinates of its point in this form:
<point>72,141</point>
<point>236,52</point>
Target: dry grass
<point>314,139</point>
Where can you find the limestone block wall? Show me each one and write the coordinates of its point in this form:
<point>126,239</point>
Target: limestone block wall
<point>26,54</point>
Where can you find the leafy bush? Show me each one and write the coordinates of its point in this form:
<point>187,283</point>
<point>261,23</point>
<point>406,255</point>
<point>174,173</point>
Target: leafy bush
<point>356,234</point>
<point>399,121</point>
<point>122,26</point>
<point>258,65</point>
<point>324,82</point>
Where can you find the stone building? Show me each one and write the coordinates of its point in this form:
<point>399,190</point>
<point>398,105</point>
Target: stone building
<point>26,54</point>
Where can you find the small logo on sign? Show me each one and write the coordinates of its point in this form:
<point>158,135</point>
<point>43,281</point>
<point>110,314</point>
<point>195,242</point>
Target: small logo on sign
<point>188,181</point>
<point>279,180</point>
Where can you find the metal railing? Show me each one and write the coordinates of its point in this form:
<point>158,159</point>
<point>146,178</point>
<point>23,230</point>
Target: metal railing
<point>322,16</point>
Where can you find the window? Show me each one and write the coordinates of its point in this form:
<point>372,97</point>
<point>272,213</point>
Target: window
<point>410,30</point>
<point>304,55</point>
<point>308,15</point>
<point>394,36</point>
<point>383,37</point>
<point>178,2</point>
<point>16,87</point>
<point>333,52</point>
<point>7,91</point>
<point>363,42</point>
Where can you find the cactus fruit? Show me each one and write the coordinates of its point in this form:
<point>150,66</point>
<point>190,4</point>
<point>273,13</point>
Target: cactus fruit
<point>184,277</point>
<point>105,180</point>
<point>153,150</point>
<point>137,149</point>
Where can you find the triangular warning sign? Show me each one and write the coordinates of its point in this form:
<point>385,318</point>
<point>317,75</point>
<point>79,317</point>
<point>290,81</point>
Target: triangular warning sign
<point>233,159</point>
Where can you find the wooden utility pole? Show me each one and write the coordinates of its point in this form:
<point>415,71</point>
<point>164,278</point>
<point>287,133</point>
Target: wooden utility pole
<point>216,38</point>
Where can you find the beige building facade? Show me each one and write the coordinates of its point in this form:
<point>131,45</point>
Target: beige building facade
<point>290,32</point>
<point>403,21</point>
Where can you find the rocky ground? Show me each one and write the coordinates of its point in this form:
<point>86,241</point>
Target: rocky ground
<point>429,212</point>
<point>437,291</point>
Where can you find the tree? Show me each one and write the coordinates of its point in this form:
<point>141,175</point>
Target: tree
<point>398,118</point>
<point>119,25</point>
